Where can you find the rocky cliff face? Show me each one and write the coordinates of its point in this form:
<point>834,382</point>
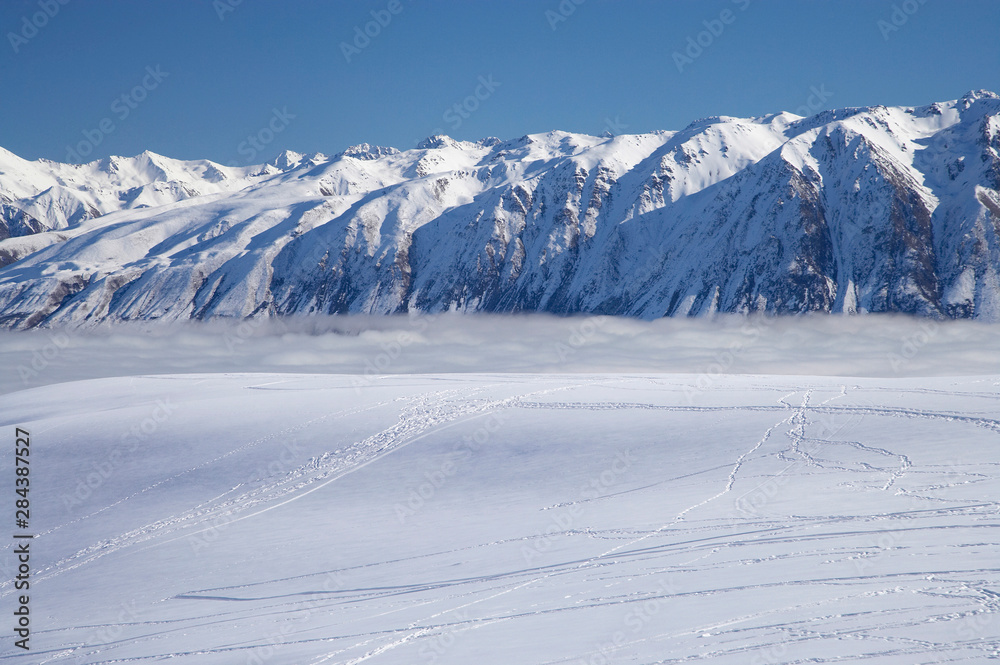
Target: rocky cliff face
<point>855,210</point>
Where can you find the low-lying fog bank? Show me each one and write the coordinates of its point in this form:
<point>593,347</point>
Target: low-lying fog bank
<point>872,345</point>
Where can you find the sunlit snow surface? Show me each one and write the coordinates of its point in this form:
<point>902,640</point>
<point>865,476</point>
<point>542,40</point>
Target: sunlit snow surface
<point>512,518</point>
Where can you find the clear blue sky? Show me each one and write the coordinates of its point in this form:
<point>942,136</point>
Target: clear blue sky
<point>607,61</point>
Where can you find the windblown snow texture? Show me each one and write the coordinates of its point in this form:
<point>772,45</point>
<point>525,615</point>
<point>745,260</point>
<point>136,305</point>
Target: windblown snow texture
<point>856,210</point>
<point>497,519</point>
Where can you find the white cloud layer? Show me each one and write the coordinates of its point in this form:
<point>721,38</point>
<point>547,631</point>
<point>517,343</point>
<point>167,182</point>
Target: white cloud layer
<point>873,345</point>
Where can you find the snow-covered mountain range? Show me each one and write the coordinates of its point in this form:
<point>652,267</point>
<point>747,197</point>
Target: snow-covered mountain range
<point>873,209</point>
<point>289,519</point>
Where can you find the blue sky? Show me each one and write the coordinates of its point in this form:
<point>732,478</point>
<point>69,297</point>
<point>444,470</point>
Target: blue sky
<point>239,81</point>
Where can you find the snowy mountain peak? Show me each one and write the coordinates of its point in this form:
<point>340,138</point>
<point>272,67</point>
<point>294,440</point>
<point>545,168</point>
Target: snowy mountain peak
<point>489,142</point>
<point>436,141</point>
<point>287,159</point>
<point>368,152</point>
<point>974,96</point>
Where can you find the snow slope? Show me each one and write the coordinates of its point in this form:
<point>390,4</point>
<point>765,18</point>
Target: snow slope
<point>872,209</point>
<point>499,518</point>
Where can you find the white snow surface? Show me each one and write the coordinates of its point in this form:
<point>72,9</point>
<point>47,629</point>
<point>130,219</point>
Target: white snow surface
<point>501,518</point>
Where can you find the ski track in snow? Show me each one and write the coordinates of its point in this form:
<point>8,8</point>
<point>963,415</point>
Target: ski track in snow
<point>902,570</point>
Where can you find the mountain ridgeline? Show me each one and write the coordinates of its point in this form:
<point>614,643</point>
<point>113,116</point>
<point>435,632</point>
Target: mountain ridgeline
<point>874,209</point>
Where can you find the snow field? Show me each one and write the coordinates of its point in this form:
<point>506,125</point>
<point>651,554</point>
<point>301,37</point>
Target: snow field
<point>497,518</point>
